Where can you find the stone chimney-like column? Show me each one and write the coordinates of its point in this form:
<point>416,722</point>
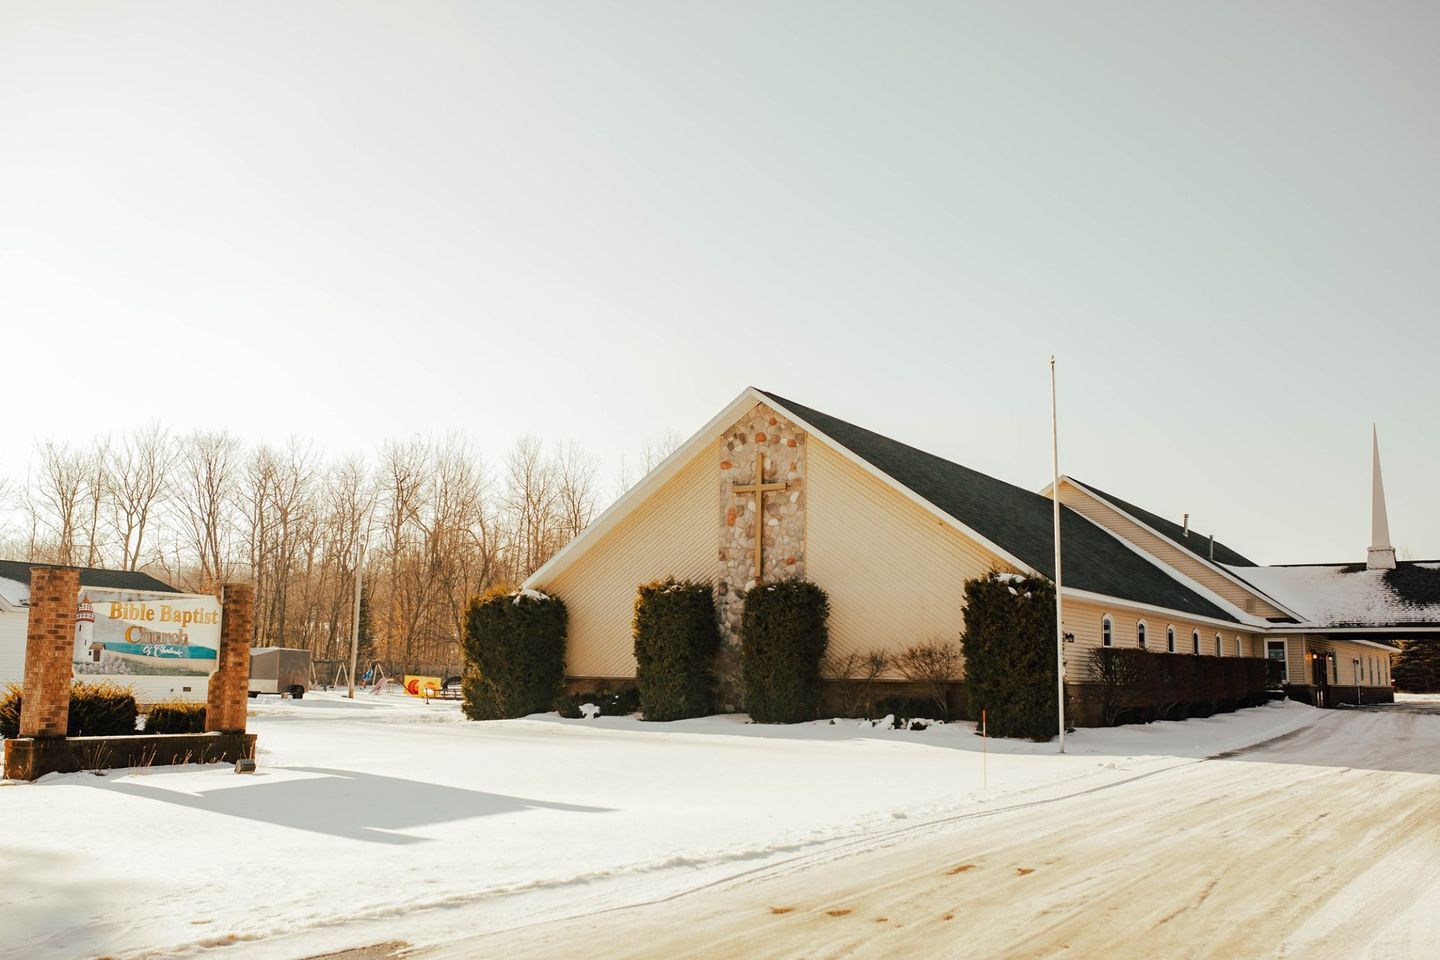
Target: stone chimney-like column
<point>49,646</point>
<point>228,695</point>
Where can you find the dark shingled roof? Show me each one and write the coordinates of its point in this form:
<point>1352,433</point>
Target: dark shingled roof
<point>1415,584</point>
<point>90,577</point>
<point>1197,543</point>
<point>1019,521</point>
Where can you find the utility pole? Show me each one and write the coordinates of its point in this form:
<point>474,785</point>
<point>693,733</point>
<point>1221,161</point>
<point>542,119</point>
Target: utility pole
<point>1059,618</point>
<point>355,623</point>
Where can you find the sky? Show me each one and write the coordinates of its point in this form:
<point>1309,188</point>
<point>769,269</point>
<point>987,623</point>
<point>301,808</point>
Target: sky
<point>598,222</point>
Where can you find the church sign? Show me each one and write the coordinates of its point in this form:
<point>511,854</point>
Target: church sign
<point>122,634</point>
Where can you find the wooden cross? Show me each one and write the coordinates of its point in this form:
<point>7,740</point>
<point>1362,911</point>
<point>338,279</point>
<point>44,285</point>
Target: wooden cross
<point>759,488</point>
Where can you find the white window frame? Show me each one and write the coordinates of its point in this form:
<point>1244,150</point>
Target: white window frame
<point>1239,647</point>
<point>1107,631</point>
<point>1142,634</point>
<point>1195,643</point>
<point>1219,646</point>
<point>1170,638</point>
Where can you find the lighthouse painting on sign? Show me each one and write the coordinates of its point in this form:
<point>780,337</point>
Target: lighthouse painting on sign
<point>133,633</point>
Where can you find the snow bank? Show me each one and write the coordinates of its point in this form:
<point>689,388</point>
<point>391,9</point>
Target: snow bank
<point>365,812</point>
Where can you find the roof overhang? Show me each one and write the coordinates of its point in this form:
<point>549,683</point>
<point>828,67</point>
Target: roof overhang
<point>1210,564</point>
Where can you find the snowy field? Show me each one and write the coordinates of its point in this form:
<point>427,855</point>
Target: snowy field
<point>390,819</point>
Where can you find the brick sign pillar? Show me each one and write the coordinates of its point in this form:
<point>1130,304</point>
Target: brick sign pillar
<point>49,650</point>
<point>228,697</point>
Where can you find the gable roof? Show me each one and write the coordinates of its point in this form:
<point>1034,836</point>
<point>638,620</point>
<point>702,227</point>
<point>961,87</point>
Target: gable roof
<point>1018,520</point>
<point>1196,543</point>
<point>1011,522</point>
<point>18,571</point>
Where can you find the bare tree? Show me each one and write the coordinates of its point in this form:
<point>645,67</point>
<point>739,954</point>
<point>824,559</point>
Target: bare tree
<point>576,493</point>
<point>531,501</point>
<point>652,453</point>
<point>932,666</point>
<point>856,674</point>
<point>205,497</point>
<point>138,479</point>
<point>56,503</point>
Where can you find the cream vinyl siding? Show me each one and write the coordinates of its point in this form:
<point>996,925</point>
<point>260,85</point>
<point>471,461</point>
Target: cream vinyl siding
<point>1165,551</point>
<point>895,573</point>
<point>675,532</point>
<point>1345,655</point>
<point>1083,620</point>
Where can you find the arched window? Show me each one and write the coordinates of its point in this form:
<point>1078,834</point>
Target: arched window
<point>1170,638</point>
<point>1107,631</point>
<point>1218,651</point>
<point>1195,642</point>
<point>1140,633</point>
<point>1238,651</point>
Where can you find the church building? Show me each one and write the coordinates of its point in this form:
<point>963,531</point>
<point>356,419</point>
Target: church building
<point>771,489</point>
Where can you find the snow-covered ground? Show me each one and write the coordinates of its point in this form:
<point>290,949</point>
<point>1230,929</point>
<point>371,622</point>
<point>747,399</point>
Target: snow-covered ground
<point>387,818</point>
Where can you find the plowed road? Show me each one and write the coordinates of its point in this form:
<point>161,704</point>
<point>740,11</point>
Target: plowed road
<point>1325,843</point>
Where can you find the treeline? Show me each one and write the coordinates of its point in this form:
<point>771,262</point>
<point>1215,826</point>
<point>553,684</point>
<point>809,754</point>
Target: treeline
<point>437,525</point>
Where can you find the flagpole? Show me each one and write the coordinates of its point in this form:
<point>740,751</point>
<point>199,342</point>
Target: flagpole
<point>1059,620</point>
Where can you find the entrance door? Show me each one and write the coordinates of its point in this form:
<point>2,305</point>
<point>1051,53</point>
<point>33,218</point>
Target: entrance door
<point>1275,654</point>
<point>1320,679</point>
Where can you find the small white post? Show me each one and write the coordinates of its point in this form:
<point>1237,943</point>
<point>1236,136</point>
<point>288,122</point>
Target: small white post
<point>1059,609</point>
<point>355,623</point>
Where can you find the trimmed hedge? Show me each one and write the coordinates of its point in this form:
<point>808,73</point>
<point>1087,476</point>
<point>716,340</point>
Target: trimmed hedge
<point>1009,647</point>
<point>514,648</point>
<point>1140,686</point>
<point>783,638</point>
<point>676,637</point>
<point>176,716</point>
<point>96,710</point>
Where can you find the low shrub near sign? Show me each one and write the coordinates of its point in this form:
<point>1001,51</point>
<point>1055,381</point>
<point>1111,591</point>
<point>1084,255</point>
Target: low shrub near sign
<point>783,637</point>
<point>1139,686</point>
<point>610,703</point>
<point>96,710</point>
<point>676,637</point>
<point>1009,647</point>
<point>514,654</point>
<point>176,716</point>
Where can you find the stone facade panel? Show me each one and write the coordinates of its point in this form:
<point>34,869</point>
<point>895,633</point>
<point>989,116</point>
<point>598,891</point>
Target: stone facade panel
<point>782,528</point>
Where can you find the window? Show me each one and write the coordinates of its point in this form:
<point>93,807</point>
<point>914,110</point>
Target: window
<point>1140,634</point>
<point>1170,639</point>
<point>1238,651</point>
<point>1195,642</point>
<point>1107,632</point>
<point>1218,651</point>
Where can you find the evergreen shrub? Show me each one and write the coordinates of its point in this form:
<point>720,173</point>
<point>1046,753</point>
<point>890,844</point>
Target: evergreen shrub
<point>514,649</point>
<point>176,716</point>
<point>783,638</point>
<point>1009,648</point>
<point>676,638</point>
<point>103,709</point>
<point>1417,668</point>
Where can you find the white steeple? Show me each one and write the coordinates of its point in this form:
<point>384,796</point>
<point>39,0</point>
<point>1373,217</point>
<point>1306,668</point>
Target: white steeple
<point>1380,556</point>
